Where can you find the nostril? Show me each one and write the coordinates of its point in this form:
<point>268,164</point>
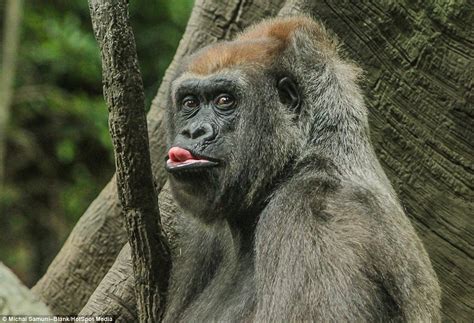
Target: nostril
<point>186,133</point>
<point>198,132</point>
<point>204,131</point>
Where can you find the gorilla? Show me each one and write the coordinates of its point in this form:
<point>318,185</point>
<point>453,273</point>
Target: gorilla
<point>287,214</point>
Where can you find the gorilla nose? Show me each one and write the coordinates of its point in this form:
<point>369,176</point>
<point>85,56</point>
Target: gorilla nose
<point>203,131</point>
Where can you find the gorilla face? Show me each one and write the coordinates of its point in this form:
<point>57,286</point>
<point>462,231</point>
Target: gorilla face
<point>204,111</point>
<point>230,134</point>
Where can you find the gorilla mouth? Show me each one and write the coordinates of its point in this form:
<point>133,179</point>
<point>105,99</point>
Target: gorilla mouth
<point>180,159</point>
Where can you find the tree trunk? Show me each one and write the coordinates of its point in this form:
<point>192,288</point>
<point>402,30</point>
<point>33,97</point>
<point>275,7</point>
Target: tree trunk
<point>125,97</point>
<point>418,61</point>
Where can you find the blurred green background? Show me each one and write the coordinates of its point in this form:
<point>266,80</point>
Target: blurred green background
<point>58,150</point>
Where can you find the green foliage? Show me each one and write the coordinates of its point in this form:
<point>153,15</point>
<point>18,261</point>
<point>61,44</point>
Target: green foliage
<point>59,154</point>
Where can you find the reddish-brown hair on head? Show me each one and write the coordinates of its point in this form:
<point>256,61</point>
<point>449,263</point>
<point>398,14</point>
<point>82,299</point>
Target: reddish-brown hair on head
<point>258,44</point>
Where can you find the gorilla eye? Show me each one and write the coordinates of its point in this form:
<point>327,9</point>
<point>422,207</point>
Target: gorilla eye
<point>224,101</point>
<point>190,102</point>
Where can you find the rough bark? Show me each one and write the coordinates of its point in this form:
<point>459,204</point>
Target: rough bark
<point>11,38</point>
<point>115,294</point>
<point>125,97</point>
<point>418,61</point>
<point>15,298</point>
<point>97,238</point>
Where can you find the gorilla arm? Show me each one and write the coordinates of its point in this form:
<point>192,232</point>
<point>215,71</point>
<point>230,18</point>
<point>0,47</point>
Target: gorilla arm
<point>319,256</point>
<point>309,267</point>
<point>405,269</point>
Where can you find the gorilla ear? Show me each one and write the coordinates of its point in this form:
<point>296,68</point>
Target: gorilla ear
<point>289,94</point>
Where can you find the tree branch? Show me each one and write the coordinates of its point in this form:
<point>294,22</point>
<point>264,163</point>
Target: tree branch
<point>123,91</point>
<point>115,294</point>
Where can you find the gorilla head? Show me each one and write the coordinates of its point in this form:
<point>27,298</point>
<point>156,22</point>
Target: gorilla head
<point>232,125</point>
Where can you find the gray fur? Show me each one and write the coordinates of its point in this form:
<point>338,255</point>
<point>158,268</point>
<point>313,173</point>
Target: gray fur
<point>302,223</point>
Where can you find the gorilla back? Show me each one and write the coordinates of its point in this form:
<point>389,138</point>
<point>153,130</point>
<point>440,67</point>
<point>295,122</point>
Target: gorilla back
<point>287,213</point>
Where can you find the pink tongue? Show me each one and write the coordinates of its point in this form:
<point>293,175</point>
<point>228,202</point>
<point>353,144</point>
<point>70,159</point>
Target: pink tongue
<point>177,154</point>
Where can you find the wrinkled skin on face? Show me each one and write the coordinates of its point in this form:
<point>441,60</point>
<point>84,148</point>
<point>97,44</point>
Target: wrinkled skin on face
<point>221,130</point>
